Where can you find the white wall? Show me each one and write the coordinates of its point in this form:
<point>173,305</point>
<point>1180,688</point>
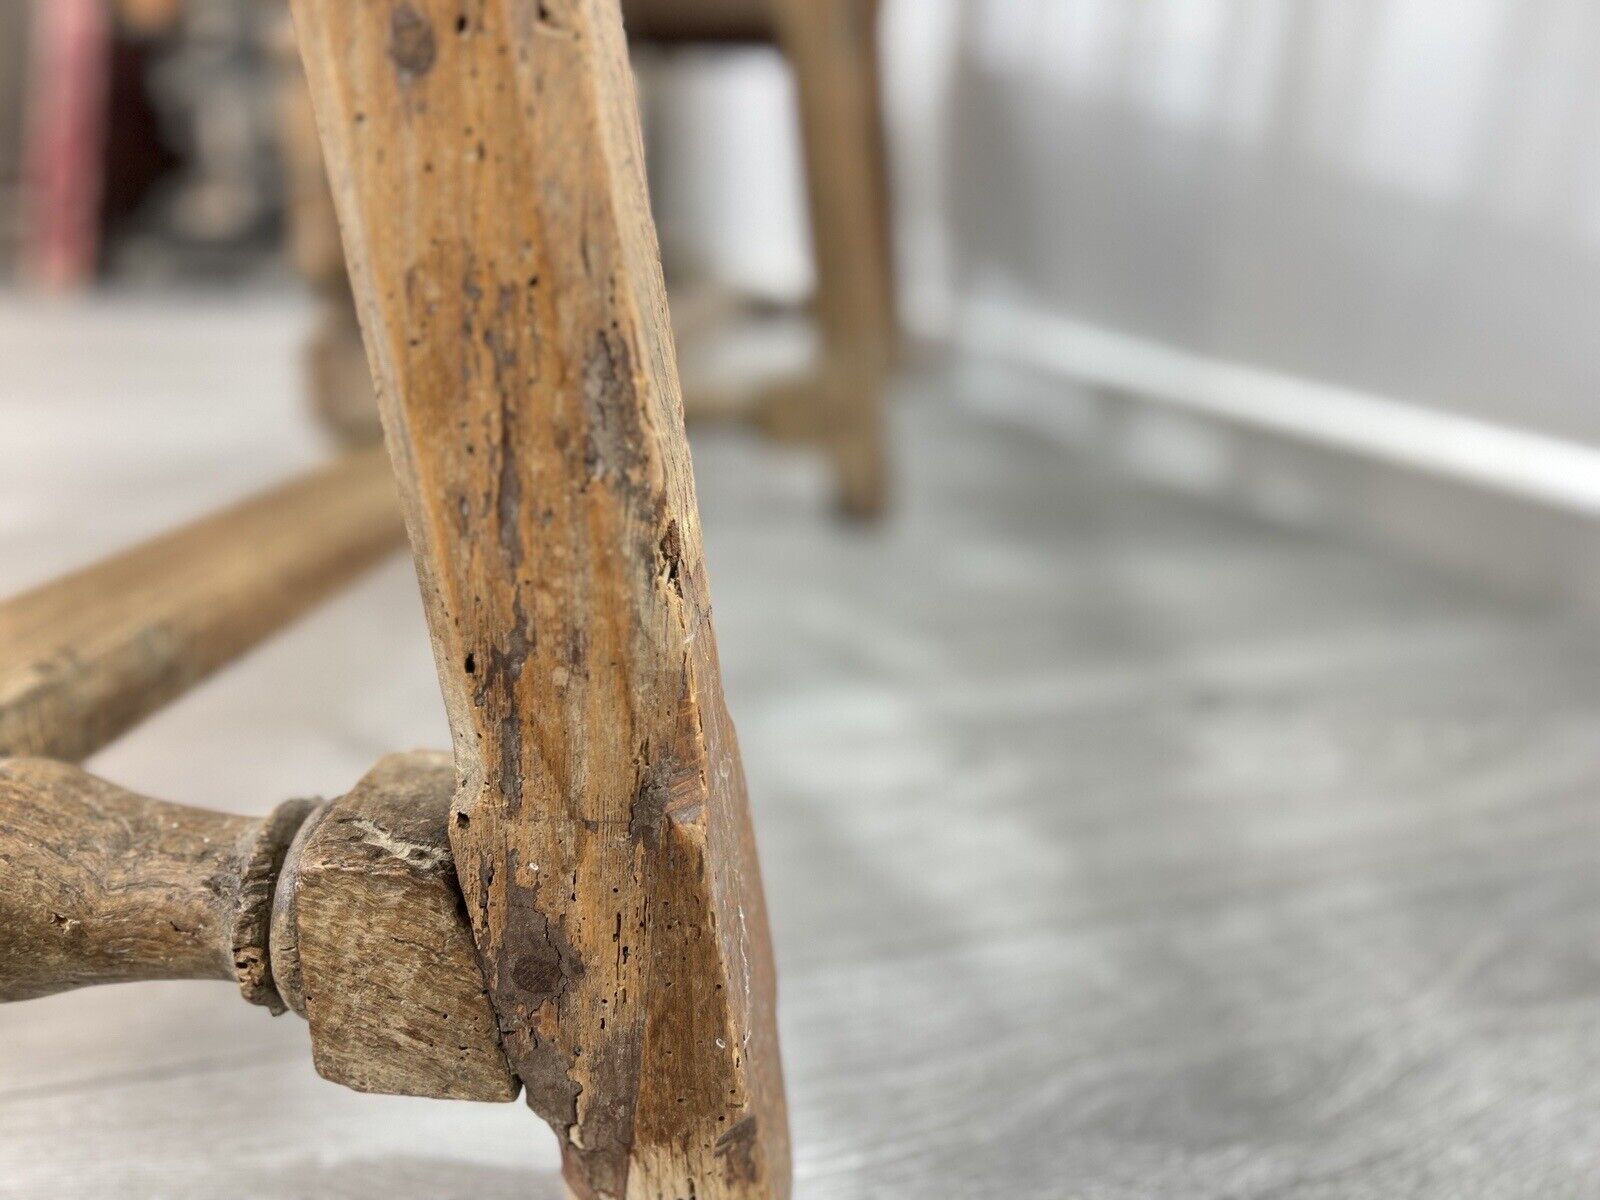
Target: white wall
<point>1396,196</point>
<point>1371,224</point>
<point>725,165</point>
<point>1400,196</point>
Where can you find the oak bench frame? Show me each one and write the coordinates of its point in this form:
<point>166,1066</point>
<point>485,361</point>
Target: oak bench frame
<point>569,904</point>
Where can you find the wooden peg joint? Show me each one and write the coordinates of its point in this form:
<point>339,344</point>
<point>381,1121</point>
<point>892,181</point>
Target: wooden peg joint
<point>346,911</point>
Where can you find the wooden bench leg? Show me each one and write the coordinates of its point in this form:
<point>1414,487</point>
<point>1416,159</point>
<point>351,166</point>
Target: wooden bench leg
<point>487,168</point>
<point>833,48</point>
<point>337,376</point>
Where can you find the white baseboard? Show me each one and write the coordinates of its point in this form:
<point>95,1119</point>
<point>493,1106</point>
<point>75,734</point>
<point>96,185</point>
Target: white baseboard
<point>1517,507</point>
<point>1528,466</point>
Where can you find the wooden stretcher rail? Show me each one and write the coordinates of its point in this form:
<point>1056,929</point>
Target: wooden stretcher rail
<point>516,319</point>
<point>698,20</point>
<point>346,911</point>
<point>87,656</point>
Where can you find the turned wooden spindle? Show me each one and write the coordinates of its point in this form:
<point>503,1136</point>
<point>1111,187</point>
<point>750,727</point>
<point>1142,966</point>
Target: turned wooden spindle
<point>104,886</point>
<point>347,912</point>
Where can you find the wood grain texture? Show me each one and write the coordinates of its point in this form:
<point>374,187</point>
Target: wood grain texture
<point>833,48</point>
<point>487,167</point>
<point>105,886</point>
<point>384,965</point>
<point>346,911</point>
<point>86,657</point>
<point>258,873</point>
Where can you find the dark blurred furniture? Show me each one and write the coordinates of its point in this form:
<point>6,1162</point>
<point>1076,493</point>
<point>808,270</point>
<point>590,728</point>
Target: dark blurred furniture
<point>700,20</point>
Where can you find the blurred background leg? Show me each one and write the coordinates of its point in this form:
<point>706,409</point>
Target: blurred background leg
<point>337,375</point>
<point>833,47</point>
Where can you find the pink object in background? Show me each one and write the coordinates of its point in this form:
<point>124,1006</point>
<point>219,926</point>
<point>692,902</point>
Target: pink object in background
<point>64,152</point>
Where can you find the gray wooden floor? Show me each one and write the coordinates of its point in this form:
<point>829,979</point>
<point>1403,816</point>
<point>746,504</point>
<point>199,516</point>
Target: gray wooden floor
<point>1117,848</point>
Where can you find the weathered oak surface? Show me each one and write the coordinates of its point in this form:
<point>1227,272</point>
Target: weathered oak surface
<point>347,911</point>
<point>98,885</point>
<point>487,167</point>
<point>372,947</point>
<point>84,658</point>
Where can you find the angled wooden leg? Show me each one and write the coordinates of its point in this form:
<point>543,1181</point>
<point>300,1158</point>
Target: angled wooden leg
<point>833,48</point>
<point>348,911</point>
<point>486,164</point>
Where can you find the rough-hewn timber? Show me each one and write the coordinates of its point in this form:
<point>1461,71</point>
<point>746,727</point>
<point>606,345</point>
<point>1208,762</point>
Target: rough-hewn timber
<point>487,168</point>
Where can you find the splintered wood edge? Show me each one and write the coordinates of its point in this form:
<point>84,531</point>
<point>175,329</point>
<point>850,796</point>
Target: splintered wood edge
<point>252,921</point>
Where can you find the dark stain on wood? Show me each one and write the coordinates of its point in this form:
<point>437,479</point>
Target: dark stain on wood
<point>538,966</point>
<point>671,547</point>
<point>508,487</point>
<point>737,1149</point>
<point>412,48</point>
<point>614,440</point>
<point>649,808</point>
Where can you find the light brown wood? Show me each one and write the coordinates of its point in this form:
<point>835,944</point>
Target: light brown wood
<point>104,886</point>
<point>311,227</point>
<point>833,47</point>
<point>487,168</point>
<point>86,657</point>
<point>149,17</point>
<point>372,945</point>
<point>348,912</point>
<point>337,375</point>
